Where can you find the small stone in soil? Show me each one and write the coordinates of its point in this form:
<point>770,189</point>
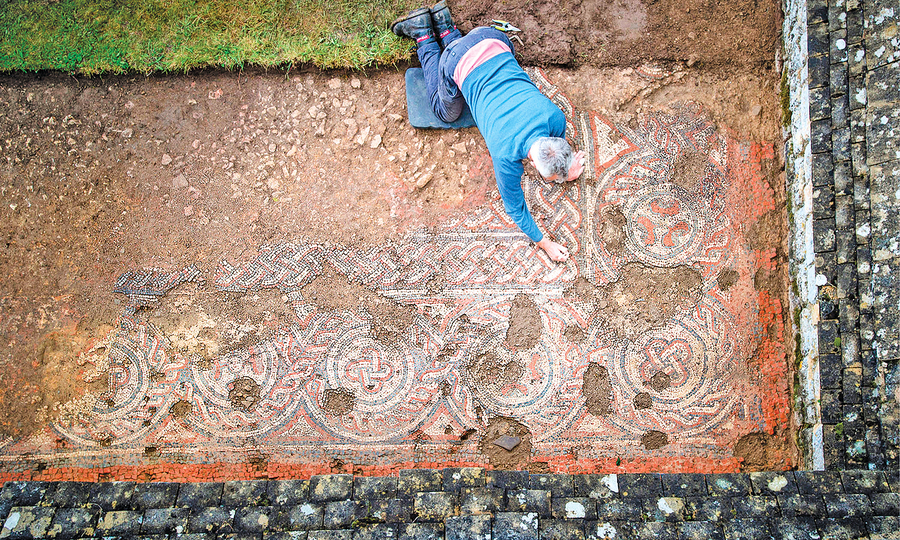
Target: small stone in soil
<point>508,442</point>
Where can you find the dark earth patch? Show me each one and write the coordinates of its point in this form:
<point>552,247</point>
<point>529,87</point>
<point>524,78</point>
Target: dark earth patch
<point>574,333</point>
<point>181,408</point>
<point>643,401</point>
<point>727,279</point>
<point>653,439</point>
<point>597,390</point>
<point>243,393</point>
<point>759,451</point>
<point>338,401</point>
<point>689,170</point>
<point>659,381</point>
<point>524,331</point>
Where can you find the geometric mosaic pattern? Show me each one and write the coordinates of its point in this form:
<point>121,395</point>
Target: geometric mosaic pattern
<point>413,396</point>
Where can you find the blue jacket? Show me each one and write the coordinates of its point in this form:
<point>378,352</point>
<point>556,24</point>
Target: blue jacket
<point>511,114</point>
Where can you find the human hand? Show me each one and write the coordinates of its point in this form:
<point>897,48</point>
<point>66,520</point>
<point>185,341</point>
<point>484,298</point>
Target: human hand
<point>577,166</point>
<point>556,252</point>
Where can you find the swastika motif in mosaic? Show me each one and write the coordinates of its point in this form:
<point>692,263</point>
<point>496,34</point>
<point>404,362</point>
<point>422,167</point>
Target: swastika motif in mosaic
<point>421,386</point>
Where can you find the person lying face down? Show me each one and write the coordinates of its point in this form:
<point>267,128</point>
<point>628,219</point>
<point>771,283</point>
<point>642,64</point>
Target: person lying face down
<point>515,119</point>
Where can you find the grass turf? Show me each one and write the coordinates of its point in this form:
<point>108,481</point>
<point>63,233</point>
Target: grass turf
<point>103,36</point>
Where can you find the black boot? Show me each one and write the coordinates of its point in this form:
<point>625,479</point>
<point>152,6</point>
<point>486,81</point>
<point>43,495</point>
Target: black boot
<point>415,25</point>
<point>440,17</point>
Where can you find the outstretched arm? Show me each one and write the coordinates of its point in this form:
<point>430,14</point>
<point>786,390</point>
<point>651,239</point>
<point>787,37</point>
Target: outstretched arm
<point>556,252</point>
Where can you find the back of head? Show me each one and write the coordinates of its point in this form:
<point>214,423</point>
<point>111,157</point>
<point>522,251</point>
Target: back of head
<point>552,155</point>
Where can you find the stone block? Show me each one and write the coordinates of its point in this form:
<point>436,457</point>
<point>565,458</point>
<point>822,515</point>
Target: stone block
<point>288,492</point>
<point>882,115</point>
<point>856,59</point>
<point>817,37</point>
<point>467,477</point>
<point>852,386</point>
<point>884,528</point>
<point>342,514</point>
<point>390,510</point>
<point>480,500</point>
<point>261,518</point>
<point>154,495</point>
<point>708,508</point>
<point>346,534</point>
<point>843,180</point>
<point>468,528</point>
<point>429,531</point>
<point>833,447</point>
<point>245,493</point>
<point>377,531</point>
<point>854,26</point>
<point>823,202</point>
<point>858,93</point>
<point>412,481</point>
<point>869,361</point>
<point>73,522</point>
<point>330,487</point>
<point>306,517</point>
<point>607,530</point>
<point>848,505</point>
<point>560,529</point>
<point>535,501</point>
<point>820,136</point>
<point>820,103</point>
<point>640,485</point>
<point>846,281</point>
<point>840,144</point>
<point>684,485</point>
<point>112,495</point>
<point>794,528</point>
<point>830,405</point>
<point>655,531</point>
<point>858,135</point>
<point>509,480</point>
<point>211,521</point>
<point>747,529</point>
<point>596,486</point>
<point>561,485</point>
<point>816,12</point>
<point>849,319</point>
<point>619,509</point>
<point>165,520</point>
<point>830,371</point>
<point>829,339</point>
<point>818,482</point>
<point>515,526</point>
<point>69,494</point>
<point>861,195</point>
<point>805,505</point>
<point>200,494</point>
<point>435,506</point>
<point>755,506</point>
<point>838,78</point>
<point>867,482</point>
<point>118,523</point>
<point>773,483</point>
<point>822,169</point>
<point>368,487</point>
<point>842,528</point>
<point>700,530</point>
<point>845,220</point>
<point>837,47</point>
<point>671,509</point>
<point>573,508</point>
<point>885,504</point>
<point>823,235</point>
<point>863,229</point>
<point>819,69</point>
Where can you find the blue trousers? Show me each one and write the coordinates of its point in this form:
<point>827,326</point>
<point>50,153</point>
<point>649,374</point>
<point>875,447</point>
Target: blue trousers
<point>438,66</point>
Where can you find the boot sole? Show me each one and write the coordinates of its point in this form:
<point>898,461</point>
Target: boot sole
<point>411,15</point>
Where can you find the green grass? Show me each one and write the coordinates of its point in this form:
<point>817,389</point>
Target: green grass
<point>114,36</point>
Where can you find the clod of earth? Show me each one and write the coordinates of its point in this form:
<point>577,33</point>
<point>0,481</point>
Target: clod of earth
<point>597,390</point>
<point>574,334</point>
<point>243,393</point>
<point>507,442</point>
<point>644,297</point>
<point>660,381</point>
<point>180,409</point>
<point>727,279</point>
<point>488,370</point>
<point>758,450</point>
<point>524,331</point>
<point>643,401</point>
<point>338,401</point>
<point>519,456</point>
<point>654,439</point>
<point>689,170</point>
<point>612,230</point>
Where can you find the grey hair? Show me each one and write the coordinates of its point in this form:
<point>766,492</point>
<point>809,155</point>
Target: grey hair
<point>553,156</point>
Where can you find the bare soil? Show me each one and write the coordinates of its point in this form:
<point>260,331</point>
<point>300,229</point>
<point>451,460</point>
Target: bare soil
<point>103,175</point>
